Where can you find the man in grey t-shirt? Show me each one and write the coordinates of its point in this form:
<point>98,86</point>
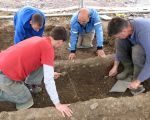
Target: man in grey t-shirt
<point>132,49</point>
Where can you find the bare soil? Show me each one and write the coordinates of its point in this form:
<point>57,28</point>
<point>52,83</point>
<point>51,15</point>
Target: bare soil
<point>123,108</point>
<point>86,78</point>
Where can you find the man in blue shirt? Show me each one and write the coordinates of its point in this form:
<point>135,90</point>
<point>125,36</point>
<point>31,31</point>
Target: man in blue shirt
<point>84,24</point>
<point>28,22</point>
<point>132,48</point>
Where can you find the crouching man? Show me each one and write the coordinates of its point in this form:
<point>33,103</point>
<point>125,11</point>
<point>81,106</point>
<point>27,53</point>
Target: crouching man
<point>132,50</point>
<point>28,22</point>
<point>27,62</point>
<point>84,25</point>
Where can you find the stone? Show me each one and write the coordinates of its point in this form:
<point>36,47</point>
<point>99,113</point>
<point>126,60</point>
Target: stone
<point>93,106</point>
<point>120,86</point>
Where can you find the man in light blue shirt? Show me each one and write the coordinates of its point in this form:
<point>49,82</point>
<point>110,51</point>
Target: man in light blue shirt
<point>84,24</point>
<point>133,48</point>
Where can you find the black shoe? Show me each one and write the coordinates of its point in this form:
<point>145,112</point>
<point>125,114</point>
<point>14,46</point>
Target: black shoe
<point>34,88</point>
<point>137,91</point>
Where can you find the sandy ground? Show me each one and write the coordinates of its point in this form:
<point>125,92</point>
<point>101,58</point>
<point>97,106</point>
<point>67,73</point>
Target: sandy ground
<point>85,80</point>
<point>124,108</point>
<point>87,75</point>
<point>53,4</point>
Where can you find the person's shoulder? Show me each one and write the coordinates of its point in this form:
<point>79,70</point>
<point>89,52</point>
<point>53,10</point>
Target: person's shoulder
<point>41,42</point>
<point>35,38</point>
<point>93,13</point>
<point>24,11</point>
<point>141,19</point>
<point>36,10</point>
<point>74,21</point>
<point>30,9</point>
<point>26,8</point>
<point>74,18</point>
<point>92,10</point>
<point>46,40</point>
<point>45,44</point>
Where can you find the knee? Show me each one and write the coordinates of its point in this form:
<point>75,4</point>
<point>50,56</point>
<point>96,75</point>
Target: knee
<point>123,45</point>
<point>138,55</point>
<point>24,95</point>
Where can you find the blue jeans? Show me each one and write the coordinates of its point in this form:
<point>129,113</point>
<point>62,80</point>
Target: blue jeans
<point>17,92</point>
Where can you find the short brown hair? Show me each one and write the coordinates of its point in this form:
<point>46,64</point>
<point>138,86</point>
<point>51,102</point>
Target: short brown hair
<point>37,19</point>
<point>116,25</point>
<point>59,33</point>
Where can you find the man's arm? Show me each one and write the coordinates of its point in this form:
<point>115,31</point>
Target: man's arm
<point>145,42</point>
<point>98,30</point>
<point>19,33</point>
<point>50,83</point>
<point>144,38</point>
<point>52,92</point>
<point>114,69</point>
<point>73,42</point>
<point>99,34</point>
<point>99,39</point>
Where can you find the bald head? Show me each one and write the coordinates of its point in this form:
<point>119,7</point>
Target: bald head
<point>83,16</point>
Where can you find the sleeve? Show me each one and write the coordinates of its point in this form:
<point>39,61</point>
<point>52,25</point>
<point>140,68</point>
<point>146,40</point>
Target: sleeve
<point>116,57</point>
<point>73,37</point>
<point>145,42</point>
<point>98,30</point>
<point>50,83</point>
<point>19,32</point>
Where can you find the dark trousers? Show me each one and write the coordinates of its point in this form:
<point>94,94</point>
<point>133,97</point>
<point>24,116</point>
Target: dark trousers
<point>126,52</point>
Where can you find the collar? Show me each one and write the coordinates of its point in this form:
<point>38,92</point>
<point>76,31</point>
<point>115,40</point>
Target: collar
<point>133,33</point>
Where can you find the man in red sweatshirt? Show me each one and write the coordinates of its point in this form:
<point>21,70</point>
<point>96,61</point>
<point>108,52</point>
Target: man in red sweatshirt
<point>25,62</point>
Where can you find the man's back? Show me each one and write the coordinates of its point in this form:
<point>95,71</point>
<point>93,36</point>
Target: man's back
<point>18,61</point>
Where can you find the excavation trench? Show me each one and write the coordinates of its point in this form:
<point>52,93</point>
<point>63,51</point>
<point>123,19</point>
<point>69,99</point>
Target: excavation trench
<point>84,79</point>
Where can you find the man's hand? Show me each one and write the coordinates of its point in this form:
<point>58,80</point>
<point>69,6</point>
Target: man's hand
<point>134,85</point>
<point>113,71</point>
<point>101,53</point>
<point>64,109</point>
<point>72,56</point>
<point>56,75</point>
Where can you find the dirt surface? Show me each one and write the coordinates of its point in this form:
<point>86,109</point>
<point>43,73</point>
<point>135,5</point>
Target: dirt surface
<point>86,78</point>
<point>7,34</point>
<point>123,108</point>
<point>74,86</point>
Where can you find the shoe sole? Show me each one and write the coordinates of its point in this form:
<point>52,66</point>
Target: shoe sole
<point>138,91</point>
